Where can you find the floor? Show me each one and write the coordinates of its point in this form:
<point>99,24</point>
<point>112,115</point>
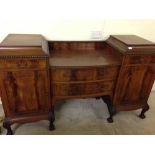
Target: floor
<point>88,117</point>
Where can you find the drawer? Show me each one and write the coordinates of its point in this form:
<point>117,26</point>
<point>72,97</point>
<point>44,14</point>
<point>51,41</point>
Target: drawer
<point>68,89</point>
<point>61,89</point>
<point>98,87</point>
<point>8,64</point>
<point>106,73</point>
<point>64,75</point>
<point>137,60</point>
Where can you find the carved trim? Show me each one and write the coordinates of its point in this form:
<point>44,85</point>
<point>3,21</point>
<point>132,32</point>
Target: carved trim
<point>23,56</point>
<point>140,54</point>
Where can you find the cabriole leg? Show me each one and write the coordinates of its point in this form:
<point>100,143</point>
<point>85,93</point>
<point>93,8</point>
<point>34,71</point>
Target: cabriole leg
<point>111,109</point>
<point>142,114</point>
<point>7,126</point>
<point>51,119</point>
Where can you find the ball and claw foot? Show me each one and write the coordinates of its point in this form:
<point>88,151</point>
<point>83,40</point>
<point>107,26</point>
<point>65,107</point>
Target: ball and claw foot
<point>110,120</point>
<point>7,126</point>
<point>111,108</point>
<point>142,114</point>
<point>51,127</point>
<point>51,120</point>
<point>9,132</point>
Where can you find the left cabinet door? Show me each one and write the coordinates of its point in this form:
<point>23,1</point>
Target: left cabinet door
<point>24,92</point>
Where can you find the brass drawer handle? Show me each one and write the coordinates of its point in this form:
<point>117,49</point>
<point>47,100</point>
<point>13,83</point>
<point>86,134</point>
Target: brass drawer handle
<point>21,64</point>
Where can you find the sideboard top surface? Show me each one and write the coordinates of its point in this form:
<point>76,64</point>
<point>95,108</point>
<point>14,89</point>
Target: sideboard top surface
<point>131,44</point>
<point>20,40</point>
<point>133,40</point>
<point>24,45</point>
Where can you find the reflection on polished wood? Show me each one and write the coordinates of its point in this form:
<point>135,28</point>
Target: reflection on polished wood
<point>35,74</point>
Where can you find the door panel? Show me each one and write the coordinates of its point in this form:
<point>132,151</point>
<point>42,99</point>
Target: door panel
<point>132,84</point>
<point>134,80</point>
<point>148,82</point>
<point>25,91</point>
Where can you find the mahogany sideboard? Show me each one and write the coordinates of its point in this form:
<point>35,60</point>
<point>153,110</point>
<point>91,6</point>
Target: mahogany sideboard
<point>36,73</point>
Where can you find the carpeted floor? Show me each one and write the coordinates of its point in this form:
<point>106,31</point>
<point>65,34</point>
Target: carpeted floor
<point>88,117</point>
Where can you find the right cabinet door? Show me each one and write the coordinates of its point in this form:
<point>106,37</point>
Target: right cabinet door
<point>133,87</point>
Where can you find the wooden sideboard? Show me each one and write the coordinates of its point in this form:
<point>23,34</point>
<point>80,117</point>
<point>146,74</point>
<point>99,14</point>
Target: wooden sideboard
<point>35,74</point>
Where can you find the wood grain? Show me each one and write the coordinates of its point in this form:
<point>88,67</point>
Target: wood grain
<point>121,70</point>
<point>24,79</point>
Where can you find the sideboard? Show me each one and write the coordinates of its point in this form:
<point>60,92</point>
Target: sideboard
<point>35,74</point>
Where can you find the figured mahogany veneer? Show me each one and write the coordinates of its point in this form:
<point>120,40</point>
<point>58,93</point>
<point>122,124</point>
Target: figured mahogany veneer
<point>34,75</point>
<point>82,89</point>
<point>24,80</point>
<point>18,64</point>
<point>84,74</point>
<point>82,69</point>
<point>136,75</point>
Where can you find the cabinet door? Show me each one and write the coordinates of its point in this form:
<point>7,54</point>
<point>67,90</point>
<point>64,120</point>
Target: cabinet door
<point>133,86</point>
<point>24,92</point>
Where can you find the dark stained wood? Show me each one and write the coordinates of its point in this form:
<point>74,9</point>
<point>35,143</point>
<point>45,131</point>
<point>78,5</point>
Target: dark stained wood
<point>67,74</point>
<point>20,40</point>
<point>82,54</point>
<point>24,79</point>
<point>136,60</point>
<point>135,79</point>
<point>75,45</point>
<point>17,51</point>
<point>77,64</point>
<point>35,74</point>
<point>111,109</point>
<point>131,44</point>
<point>77,89</point>
<point>152,59</point>
<point>83,58</point>
<point>107,73</point>
<point>83,69</point>
<point>130,85</point>
<point>84,74</point>
<point>20,64</point>
<point>24,44</point>
<point>132,40</point>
